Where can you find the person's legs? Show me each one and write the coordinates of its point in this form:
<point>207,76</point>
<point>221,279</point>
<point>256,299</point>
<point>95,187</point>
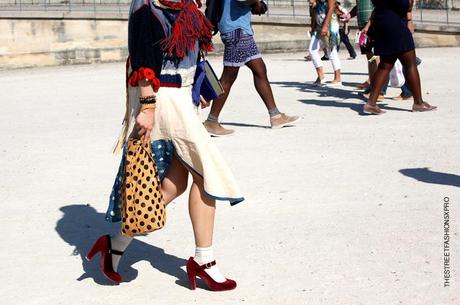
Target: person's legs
<point>336,65</point>
<point>227,79</point>
<point>119,242</point>
<point>314,48</point>
<point>383,92</point>
<point>372,65</point>
<point>173,185</point>
<point>371,68</point>
<point>405,91</point>
<point>385,87</point>
<point>378,81</point>
<point>175,182</point>
<point>409,62</point>
<point>261,83</point>
<point>202,209</point>
<point>346,41</point>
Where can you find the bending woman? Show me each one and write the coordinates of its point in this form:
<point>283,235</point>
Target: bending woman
<point>165,38</point>
<point>325,36</point>
<point>391,27</point>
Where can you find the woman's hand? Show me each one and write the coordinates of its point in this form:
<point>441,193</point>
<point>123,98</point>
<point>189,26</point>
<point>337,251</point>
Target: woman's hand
<point>325,30</point>
<point>411,26</point>
<point>146,117</point>
<point>204,103</point>
<point>367,27</point>
<point>144,124</point>
<point>346,17</point>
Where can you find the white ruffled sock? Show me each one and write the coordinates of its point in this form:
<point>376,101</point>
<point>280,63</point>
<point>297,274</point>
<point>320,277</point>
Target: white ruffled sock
<point>119,242</point>
<point>204,256</point>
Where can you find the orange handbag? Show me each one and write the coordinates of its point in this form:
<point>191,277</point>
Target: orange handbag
<point>142,204</point>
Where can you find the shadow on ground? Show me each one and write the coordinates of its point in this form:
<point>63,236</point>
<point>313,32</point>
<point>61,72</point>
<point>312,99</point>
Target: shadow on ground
<point>243,125</point>
<point>348,73</point>
<point>81,225</point>
<point>424,174</point>
<point>342,97</point>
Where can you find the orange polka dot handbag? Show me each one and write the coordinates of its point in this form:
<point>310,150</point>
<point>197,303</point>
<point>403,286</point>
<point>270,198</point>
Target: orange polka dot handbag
<point>141,199</point>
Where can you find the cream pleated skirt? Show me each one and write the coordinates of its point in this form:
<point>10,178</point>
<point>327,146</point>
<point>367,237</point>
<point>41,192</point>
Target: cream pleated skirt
<point>178,120</point>
<point>178,131</point>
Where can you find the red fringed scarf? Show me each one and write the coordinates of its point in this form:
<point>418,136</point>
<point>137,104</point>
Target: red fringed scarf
<point>190,26</point>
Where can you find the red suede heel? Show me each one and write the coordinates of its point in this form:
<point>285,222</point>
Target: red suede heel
<point>194,270</point>
<point>103,245</point>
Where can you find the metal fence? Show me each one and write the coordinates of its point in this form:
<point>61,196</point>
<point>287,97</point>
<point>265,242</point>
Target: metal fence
<point>425,11</point>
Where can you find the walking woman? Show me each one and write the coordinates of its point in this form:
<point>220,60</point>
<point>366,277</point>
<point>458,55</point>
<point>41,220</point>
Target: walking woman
<point>325,36</point>
<point>392,29</point>
<point>165,38</point>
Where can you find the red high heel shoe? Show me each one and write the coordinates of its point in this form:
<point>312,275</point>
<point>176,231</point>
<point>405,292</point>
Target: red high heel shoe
<point>194,270</point>
<point>104,246</point>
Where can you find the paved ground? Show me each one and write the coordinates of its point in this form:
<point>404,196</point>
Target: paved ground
<point>343,209</point>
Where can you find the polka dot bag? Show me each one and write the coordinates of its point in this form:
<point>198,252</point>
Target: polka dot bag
<point>141,199</point>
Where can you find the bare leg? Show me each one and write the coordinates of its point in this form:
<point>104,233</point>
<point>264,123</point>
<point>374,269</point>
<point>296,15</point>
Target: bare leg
<point>202,209</point>
<point>408,60</point>
<point>175,182</point>
<point>173,185</point>
<point>371,66</point>
<point>320,73</point>
<point>212,124</point>
<point>337,76</point>
<point>378,81</point>
<point>227,79</point>
<point>259,71</point>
